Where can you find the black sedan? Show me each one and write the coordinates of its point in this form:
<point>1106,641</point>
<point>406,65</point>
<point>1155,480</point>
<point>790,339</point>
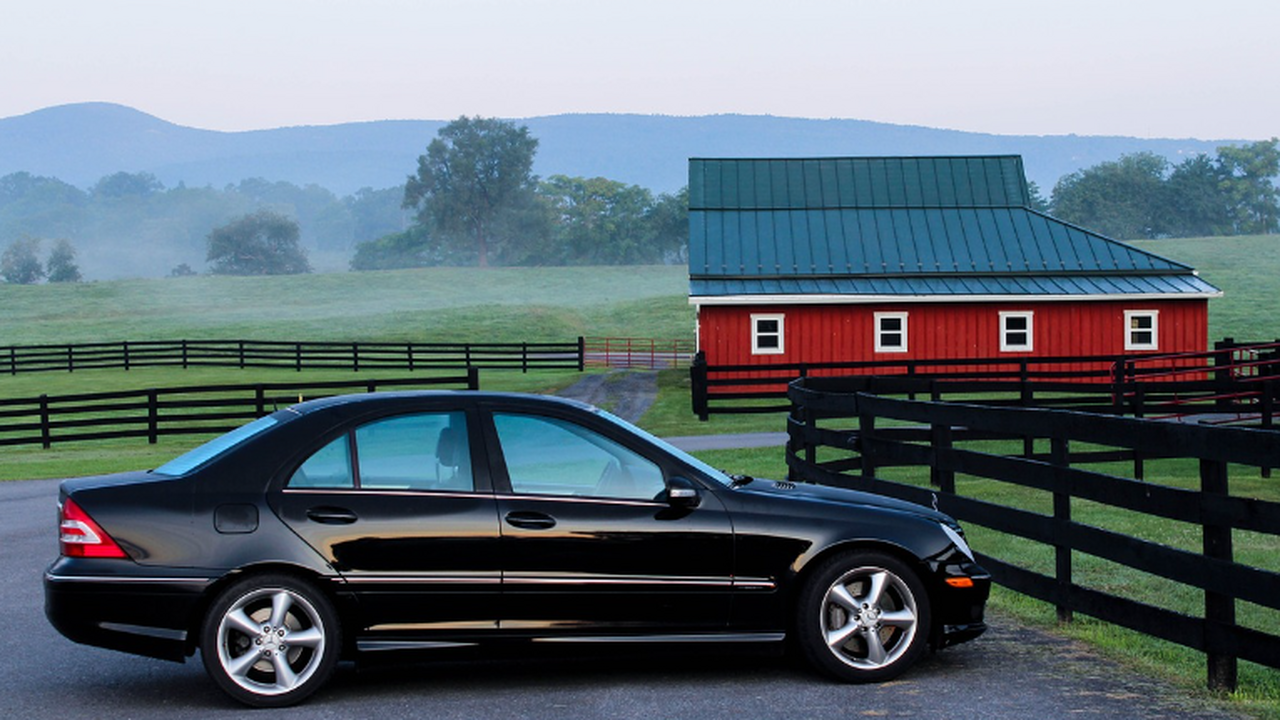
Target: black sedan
<point>355,525</point>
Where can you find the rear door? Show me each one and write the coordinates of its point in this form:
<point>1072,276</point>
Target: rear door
<point>400,507</point>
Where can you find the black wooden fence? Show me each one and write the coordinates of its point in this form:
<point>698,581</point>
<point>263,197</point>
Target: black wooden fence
<point>843,421</point>
<point>356,356</point>
<point>195,410</point>
<point>1229,377</point>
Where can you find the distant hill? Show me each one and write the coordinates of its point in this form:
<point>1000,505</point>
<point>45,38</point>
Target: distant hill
<point>82,143</point>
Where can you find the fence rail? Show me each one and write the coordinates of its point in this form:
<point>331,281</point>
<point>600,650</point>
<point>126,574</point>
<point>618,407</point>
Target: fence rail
<point>1239,369</point>
<point>648,353</point>
<point>195,410</point>
<point>355,356</point>
<point>934,437</point>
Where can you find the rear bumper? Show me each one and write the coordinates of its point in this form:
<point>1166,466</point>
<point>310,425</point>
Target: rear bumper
<point>122,606</point>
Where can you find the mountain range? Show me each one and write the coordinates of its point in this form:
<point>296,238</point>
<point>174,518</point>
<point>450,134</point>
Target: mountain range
<point>84,142</point>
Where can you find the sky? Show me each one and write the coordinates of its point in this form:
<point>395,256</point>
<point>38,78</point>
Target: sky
<point>1175,68</point>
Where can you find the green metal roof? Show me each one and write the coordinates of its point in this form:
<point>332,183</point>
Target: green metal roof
<point>872,182</point>
<point>860,218</point>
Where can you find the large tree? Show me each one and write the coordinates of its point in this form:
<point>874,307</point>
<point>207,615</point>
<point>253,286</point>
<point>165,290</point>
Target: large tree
<point>1123,199</point>
<point>20,263</point>
<point>470,174</point>
<point>263,243</point>
<point>62,265</point>
<point>1247,172</point>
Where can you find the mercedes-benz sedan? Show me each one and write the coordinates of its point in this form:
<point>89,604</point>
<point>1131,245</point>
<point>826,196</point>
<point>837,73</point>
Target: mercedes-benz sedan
<point>345,527</point>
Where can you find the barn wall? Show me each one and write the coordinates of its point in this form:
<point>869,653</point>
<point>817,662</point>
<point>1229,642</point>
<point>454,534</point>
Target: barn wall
<point>845,333</point>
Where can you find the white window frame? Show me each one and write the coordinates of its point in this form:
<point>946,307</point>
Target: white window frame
<point>881,332</point>
<point>1129,330</point>
<point>1005,317</point>
<point>780,334</point>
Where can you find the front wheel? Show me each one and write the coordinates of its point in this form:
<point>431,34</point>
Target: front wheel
<point>863,617</point>
<point>270,640</point>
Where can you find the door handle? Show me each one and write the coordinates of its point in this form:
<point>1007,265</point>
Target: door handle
<point>331,515</point>
<point>530,520</point>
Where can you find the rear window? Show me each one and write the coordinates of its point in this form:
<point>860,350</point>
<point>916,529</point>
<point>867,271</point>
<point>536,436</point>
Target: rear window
<point>193,459</point>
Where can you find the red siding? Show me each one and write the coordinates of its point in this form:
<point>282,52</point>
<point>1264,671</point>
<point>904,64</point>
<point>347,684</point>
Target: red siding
<point>845,333</point>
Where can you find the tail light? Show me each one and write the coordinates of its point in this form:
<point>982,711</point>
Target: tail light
<point>80,536</point>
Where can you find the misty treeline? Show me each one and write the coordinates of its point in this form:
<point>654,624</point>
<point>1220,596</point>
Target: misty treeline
<point>1143,195</point>
<point>473,200</point>
<point>131,225</point>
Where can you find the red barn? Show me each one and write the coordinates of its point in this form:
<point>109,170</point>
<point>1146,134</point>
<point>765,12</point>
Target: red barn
<point>850,259</point>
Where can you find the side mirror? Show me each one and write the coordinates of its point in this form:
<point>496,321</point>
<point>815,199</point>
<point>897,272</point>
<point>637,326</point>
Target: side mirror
<point>682,493</point>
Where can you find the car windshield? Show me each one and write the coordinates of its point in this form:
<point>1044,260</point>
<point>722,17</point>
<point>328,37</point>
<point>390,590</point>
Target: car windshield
<point>718,475</point>
<point>192,459</point>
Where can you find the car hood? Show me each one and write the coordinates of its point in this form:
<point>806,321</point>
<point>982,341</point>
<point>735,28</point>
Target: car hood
<point>838,496</point>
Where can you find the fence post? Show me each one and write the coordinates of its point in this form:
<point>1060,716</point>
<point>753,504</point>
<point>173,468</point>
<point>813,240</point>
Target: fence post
<point>126,356</point>
<point>1219,609</point>
<point>1222,371</point>
<point>941,475</point>
<point>260,399</point>
<point>13,360</point>
<point>524,357</point>
<point>1268,412</point>
<point>355,357</point>
<point>297,357</point>
<point>46,439</point>
<point>184,354</point>
<point>408,348</point>
<point>153,416</point>
<point>71,358</point>
<point>1060,457</point>
<point>241,350</point>
<point>1139,410</point>
<point>698,385</point>
<point>582,353</point>
<point>866,430</point>
<point>473,377</point>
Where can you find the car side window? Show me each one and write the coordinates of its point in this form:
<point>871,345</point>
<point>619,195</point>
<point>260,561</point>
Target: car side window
<point>549,456</point>
<point>328,468</point>
<point>423,451</point>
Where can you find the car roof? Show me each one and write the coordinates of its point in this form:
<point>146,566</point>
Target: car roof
<point>376,399</point>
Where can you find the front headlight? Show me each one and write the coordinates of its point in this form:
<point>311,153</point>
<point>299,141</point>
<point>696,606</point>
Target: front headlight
<point>959,541</point>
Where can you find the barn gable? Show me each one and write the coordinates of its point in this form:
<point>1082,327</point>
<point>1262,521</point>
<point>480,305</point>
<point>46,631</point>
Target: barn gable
<point>864,230</point>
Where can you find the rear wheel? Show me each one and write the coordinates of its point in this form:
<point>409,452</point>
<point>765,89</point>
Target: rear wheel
<point>270,640</point>
<point>863,617</point>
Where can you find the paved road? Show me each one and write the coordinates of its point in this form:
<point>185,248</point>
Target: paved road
<point>1012,673</point>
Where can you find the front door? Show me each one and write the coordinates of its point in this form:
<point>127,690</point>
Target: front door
<point>589,543</point>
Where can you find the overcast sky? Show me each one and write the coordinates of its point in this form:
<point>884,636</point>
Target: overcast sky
<point>1147,68</point>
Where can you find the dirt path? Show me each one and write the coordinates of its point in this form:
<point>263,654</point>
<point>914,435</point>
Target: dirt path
<point>625,393</point>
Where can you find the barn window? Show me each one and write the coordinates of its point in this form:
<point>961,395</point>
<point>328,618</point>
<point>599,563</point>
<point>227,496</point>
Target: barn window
<point>1016,331</point>
<point>891,332</point>
<point>1141,330</point>
<point>767,336</point>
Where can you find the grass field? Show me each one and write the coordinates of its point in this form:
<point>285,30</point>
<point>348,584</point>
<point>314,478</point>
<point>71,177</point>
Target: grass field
<point>543,304</point>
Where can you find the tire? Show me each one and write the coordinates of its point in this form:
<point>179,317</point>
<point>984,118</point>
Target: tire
<point>863,617</point>
<point>288,625</point>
